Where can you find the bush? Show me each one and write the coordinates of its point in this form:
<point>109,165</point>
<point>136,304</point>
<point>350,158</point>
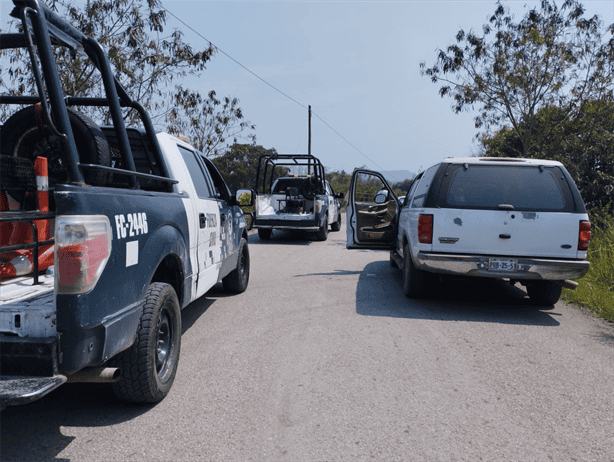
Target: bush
<point>596,289</point>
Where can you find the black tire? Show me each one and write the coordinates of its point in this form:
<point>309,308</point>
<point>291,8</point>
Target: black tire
<point>265,234</point>
<point>336,226</point>
<point>393,262</point>
<point>237,279</point>
<point>544,293</point>
<point>22,137</point>
<point>149,366</point>
<point>415,281</point>
<point>322,233</point>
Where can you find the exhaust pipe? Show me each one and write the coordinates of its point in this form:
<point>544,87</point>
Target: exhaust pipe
<point>569,284</point>
<point>96,375</point>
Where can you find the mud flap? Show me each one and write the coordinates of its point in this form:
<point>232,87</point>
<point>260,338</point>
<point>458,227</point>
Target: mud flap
<point>15,390</point>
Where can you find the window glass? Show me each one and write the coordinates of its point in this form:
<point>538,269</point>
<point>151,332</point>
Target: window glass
<point>488,186</point>
<point>423,186</point>
<point>196,172</point>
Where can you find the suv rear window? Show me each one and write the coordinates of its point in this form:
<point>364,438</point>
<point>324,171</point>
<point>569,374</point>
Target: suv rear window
<point>533,188</point>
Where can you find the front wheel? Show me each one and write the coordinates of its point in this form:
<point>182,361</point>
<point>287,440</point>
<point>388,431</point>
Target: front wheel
<point>237,279</point>
<point>149,366</point>
<point>544,293</point>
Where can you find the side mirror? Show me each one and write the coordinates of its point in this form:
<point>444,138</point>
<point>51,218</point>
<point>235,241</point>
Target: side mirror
<point>245,198</point>
<point>340,196</point>
<point>380,198</point>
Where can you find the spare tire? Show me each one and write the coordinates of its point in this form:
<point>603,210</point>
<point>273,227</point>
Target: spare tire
<point>309,189</point>
<point>22,137</point>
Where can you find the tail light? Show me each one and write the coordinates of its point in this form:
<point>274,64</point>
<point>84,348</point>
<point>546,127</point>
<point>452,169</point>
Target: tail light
<point>83,246</point>
<point>584,235</point>
<point>319,205</point>
<point>425,229</point>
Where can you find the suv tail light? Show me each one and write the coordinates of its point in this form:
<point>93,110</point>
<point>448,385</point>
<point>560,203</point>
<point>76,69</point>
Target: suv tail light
<point>83,246</point>
<point>425,229</point>
<point>584,235</point>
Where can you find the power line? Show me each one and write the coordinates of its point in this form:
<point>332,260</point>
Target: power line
<point>270,85</point>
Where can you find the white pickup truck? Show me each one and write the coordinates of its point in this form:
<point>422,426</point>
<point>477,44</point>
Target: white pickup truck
<point>516,219</point>
<point>294,202</point>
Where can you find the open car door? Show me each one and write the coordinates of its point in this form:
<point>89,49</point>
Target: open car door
<point>372,212</point>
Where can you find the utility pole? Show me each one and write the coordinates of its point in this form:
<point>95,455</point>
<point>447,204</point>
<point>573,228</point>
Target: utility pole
<point>309,135</point>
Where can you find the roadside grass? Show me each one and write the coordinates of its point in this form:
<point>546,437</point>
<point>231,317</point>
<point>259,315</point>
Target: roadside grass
<point>596,289</point>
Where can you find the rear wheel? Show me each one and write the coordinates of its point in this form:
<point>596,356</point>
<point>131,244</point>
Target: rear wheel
<point>322,233</point>
<point>393,262</point>
<point>544,293</point>
<point>336,226</point>
<point>415,281</point>
<point>237,280</point>
<point>265,234</point>
<point>149,366</point>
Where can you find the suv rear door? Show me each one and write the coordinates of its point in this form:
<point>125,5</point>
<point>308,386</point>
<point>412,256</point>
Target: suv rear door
<point>372,212</point>
<point>505,210</point>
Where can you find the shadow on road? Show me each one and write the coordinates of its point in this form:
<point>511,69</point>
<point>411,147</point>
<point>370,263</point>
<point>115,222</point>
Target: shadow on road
<point>32,432</point>
<point>380,293</point>
<point>283,238</point>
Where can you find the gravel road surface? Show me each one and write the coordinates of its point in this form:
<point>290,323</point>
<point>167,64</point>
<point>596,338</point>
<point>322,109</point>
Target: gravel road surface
<point>324,359</point>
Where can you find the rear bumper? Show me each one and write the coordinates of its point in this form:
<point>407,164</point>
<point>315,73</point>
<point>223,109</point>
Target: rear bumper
<point>15,390</point>
<point>527,268</point>
<point>288,222</point>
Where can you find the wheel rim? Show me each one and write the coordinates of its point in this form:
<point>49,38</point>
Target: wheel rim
<point>163,342</point>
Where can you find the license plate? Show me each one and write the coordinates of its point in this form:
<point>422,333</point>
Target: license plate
<point>494,264</point>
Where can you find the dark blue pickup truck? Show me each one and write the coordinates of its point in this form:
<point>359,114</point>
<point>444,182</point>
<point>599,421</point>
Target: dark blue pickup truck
<point>107,232</point>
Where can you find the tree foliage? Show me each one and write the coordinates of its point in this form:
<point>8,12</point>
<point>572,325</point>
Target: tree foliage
<point>584,143</point>
<point>150,63</point>
<point>551,57</point>
<point>215,125</point>
<point>239,165</point>
<point>339,180</point>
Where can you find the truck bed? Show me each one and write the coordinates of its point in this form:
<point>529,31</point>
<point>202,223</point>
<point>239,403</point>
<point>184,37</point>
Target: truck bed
<point>27,307</point>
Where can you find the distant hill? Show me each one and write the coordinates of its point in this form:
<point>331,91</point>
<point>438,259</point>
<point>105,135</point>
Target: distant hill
<point>396,176</point>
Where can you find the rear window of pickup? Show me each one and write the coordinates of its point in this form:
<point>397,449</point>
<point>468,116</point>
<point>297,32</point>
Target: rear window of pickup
<point>487,187</point>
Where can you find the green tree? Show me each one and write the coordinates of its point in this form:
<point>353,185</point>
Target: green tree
<point>239,165</point>
<point>551,57</point>
<point>584,143</point>
<point>215,125</point>
<point>149,62</point>
<point>339,181</point>
<point>402,186</point>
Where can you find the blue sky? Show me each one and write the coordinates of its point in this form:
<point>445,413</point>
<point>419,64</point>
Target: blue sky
<point>355,63</point>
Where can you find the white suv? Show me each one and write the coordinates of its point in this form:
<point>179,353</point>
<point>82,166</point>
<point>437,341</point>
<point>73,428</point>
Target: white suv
<point>516,219</point>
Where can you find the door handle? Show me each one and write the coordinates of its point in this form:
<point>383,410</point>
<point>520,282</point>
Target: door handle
<point>203,220</point>
<point>222,217</point>
<point>505,236</point>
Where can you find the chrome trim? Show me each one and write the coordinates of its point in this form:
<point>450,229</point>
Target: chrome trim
<point>477,265</point>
